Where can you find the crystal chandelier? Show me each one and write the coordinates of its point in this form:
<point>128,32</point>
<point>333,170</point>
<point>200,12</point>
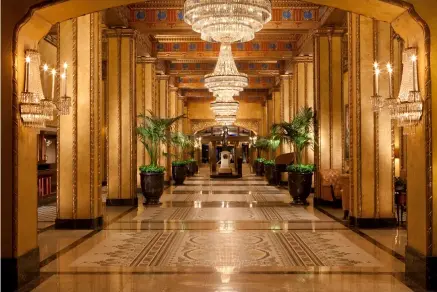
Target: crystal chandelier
<point>226,80</point>
<point>408,111</point>
<point>227,21</point>
<point>226,120</point>
<point>31,111</point>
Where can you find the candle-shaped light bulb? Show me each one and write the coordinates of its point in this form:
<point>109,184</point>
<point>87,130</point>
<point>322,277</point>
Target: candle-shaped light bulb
<point>63,76</point>
<point>389,68</point>
<point>27,73</point>
<point>390,76</point>
<point>65,65</point>
<point>414,59</point>
<point>45,67</point>
<point>375,65</point>
<point>53,83</point>
<point>377,72</point>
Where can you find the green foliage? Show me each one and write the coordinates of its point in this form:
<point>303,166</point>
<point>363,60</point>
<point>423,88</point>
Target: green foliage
<point>298,132</point>
<point>152,169</point>
<point>179,163</point>
<point>153,131</point>
<point>260,159</point>
<point>301,168</point>
<point>191,160</point>
<point>274,139</point>
<point>262,143</point>
<point>269,162</point>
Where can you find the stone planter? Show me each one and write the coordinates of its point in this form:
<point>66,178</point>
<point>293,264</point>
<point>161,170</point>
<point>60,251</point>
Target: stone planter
<point>178,173</point>
<point>270,174</point>
<point>299,187</point>
<point>259,169</point>
<point>152,187</point>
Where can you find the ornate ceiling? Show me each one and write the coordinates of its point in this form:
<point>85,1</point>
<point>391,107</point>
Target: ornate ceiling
<point>167,37</point>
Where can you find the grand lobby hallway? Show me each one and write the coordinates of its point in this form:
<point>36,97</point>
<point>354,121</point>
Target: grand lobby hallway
<point>217,235</point>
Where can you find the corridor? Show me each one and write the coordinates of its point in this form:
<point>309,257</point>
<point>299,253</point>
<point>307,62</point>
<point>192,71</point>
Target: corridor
<point>221,235</point>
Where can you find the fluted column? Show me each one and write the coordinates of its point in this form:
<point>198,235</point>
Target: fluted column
<point>302,92</point>
<point>180,111</point>
<point>79,146</point>
<point>285,105</point>
<point>121,120</point>
<point>162,110</point>
<point>145,96</point>
<point>172,112</point>
<point>328,74</point>
<point>372,167</point>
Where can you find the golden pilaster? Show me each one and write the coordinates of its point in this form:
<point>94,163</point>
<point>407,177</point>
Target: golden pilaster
<point>122,140</point>
<point>328,74</point>
<point>371,163</point>
<point>80,139</point>
<point>145,95</point>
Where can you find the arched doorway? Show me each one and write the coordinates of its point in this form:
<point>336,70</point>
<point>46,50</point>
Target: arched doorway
<point>31,27</point>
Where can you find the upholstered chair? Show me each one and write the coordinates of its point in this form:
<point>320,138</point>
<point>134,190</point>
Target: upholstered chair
<point>341,189</point>
<point>328,180</point>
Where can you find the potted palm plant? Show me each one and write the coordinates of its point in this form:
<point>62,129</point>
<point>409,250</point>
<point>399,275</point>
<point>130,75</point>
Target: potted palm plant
<point>179,166</point>
<point>299,133</point>
<point>153,132</point>
<point>260,145</point>
<point>273,142</point>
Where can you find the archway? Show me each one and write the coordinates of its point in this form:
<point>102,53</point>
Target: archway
<point>37,22</point>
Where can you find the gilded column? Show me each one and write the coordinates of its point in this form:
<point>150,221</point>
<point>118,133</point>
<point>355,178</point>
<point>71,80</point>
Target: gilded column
<point>162,110</point>
<point>371,164</point>
<point>121,117</point>
<point>79,156</point>
<point>329,95</point>
<point>285,105</point>
<point>145,96</point>
<point>303,92</point>
<point>172,112</point>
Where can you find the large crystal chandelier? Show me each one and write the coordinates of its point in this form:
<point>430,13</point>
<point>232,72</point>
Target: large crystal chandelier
<point>227,21</point>
<point>226,80</point>
<point>226,120</point>
<point>408,111</point>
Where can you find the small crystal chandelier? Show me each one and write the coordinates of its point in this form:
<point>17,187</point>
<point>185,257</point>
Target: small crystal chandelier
<point>31,111</point>
<point>226,120</point>
<point>227,21</point>
<point>409,109</point>
<point>226,80</point>
<point>376,99</point>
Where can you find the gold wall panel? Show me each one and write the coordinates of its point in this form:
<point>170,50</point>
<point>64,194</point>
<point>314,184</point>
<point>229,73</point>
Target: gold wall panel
<point>79,139</point>
<point>336,107</point>
<point>324,99</point>
<point>121,110</point>
<point>66,122</point>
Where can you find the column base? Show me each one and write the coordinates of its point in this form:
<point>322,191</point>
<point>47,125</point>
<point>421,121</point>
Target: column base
<point>122,202</point>
<point>372,222</point>
<point>20,271</point>
<point>95,223</point>
<point>421,269</point>
<point>321,202</point>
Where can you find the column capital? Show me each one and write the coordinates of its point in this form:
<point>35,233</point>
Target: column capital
<point>303,59</point>
<point>147,60</point>
<point>120,32</point>
<point>173,88</point>
<point>163,77</point>
<point>286,76</point>
<point>330,31</point>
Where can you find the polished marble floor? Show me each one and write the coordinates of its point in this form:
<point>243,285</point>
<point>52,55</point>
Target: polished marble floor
<point>221,235</point>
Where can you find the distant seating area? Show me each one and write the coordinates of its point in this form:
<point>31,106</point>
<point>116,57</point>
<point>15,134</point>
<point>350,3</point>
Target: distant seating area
<point>335,188</point>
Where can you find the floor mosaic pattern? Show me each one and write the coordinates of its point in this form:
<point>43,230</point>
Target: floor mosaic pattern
<point>232,214</point>
<point>234,235</point>
<point>240,249</point>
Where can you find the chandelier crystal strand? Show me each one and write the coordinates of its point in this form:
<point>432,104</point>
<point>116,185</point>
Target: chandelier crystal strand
<point>409,110</point>
<point>227,21</point>
<point>31,111</point>
<point>226,80</point>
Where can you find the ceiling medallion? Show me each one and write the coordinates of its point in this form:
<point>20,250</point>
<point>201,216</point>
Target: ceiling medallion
<point>227,21</point>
